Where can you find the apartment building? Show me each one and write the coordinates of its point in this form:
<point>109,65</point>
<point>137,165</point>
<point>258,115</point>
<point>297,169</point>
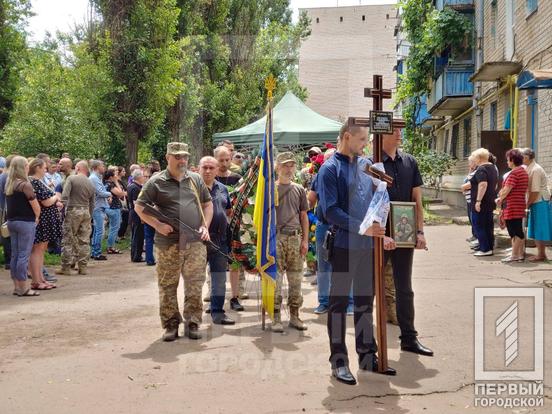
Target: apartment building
<point>498,94</point>
<point>348,45</point>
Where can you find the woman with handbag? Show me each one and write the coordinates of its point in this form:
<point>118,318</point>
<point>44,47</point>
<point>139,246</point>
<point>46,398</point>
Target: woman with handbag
<point>22,214</point>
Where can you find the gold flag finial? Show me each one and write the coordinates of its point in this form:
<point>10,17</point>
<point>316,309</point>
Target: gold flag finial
<point>270,85</point>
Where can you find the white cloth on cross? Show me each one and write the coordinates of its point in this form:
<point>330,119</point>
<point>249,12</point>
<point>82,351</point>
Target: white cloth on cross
<point>378,210</point>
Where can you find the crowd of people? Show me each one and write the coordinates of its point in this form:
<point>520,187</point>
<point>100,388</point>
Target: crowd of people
<point>521,197</point>
<point>63,206</point>
<point>185,211</point>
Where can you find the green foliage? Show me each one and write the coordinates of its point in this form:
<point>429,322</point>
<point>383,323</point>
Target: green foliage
<point>143,59</point>
<point>432,33</point>
<point>144,72</point>
<point>13,51</point>
<point>58,107</point>
<point>231,46</point>
<point>433,164</point>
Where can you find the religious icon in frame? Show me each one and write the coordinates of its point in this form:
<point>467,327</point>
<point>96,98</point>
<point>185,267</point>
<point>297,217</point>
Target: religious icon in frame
<point>403,224</point>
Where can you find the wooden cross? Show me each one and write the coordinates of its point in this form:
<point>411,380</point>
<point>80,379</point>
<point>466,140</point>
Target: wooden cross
<point>378,94</point>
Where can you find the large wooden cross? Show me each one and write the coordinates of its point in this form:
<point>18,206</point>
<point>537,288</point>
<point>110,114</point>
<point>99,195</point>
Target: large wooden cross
<point>378,94</point>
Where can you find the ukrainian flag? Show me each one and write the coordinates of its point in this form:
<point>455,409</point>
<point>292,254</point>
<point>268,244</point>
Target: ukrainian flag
<point>264,218</point>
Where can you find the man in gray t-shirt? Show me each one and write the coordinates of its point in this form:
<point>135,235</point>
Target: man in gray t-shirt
<point>292,225</point>
<point>78,197</point>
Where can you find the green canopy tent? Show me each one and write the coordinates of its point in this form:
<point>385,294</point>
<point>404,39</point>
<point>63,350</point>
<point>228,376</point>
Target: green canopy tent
<point>295,124</point>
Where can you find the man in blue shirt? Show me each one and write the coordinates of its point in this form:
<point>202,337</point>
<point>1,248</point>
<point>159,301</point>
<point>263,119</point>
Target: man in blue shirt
<point>345,192</point>
<point>100,205</point>
<point>218,263</point>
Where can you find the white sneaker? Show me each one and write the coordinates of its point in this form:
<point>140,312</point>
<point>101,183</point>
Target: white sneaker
<point>479,254</point>
<point>474,243</point>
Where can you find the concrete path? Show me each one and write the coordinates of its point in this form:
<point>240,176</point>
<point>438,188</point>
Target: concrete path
<point>92,346</point>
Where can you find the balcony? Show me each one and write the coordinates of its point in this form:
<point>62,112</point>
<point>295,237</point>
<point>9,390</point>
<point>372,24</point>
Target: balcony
<point>460,5</point>
<point>451,93</point>
<point>421,111</point>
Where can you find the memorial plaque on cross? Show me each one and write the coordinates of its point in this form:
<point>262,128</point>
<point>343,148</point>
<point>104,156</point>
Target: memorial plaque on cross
<point>378,94</point>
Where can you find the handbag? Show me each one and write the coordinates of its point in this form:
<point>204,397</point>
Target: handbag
<point>4,231</point>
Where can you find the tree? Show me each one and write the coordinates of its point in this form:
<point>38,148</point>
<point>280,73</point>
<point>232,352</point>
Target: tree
<point>59,107</point>
<point>13,17</point>
<point>231,47</point>
<point>143,59</point>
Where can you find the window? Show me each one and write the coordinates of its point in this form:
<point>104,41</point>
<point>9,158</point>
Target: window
<point>317,20</point>
<point>492,117</point>
<point>467,136</point>
<point>454,141</point>
<point>341,19</point>
<point>532,6</point>
<point>363,18</point>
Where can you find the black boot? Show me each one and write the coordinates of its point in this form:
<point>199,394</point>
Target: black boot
<point>413,345</point>
<point>369,362</point>
<point>235,305</point>
<point>344,375</point>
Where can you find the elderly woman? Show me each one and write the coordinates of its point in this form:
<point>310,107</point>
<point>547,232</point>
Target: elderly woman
<point>513,202</point>
<point>483,195</point>
<point>22,214</point>
<point>466,189</point>
<point>540,205</point>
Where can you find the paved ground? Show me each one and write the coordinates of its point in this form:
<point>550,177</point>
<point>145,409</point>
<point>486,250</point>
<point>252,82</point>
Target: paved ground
<point>92,346</point>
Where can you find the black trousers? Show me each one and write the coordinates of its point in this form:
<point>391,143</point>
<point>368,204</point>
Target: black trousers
<point>124,222</point>
<point>402,259</point>
<point>137,240</point>
<point>351,268</point>
<point>6,243</point>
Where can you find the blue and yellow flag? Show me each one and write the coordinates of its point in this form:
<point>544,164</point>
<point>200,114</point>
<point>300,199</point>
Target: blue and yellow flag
<point>264,218</point>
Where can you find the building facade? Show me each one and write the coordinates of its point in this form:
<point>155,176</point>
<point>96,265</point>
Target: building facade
<point>348,45</point>
<point>497,94</point>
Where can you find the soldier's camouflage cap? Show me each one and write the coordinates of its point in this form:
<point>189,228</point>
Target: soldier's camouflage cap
<point>284,157</point>
<point>177,148</point>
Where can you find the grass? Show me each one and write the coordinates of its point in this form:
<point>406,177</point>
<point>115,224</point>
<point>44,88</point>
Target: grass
<point>55,259</point>
<point>434,219</point>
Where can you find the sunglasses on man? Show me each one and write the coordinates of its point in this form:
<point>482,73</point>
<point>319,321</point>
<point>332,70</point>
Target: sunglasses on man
<point>180,156</point>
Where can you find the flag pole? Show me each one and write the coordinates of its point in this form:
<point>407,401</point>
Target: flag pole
<point>270,85</point>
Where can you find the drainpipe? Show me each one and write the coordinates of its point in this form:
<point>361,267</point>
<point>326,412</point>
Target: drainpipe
<point>480,58</point>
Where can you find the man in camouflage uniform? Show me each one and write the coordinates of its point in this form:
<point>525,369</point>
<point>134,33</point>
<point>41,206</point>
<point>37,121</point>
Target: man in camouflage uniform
<point>390,295</point>
<point>78,197</point>
<point>179,194</point>
<point>292,228</point>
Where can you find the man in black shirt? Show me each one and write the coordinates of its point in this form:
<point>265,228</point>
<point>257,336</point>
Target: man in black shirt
<point>224,159</point>
<point>223,155</point>
<point>407,182</point>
